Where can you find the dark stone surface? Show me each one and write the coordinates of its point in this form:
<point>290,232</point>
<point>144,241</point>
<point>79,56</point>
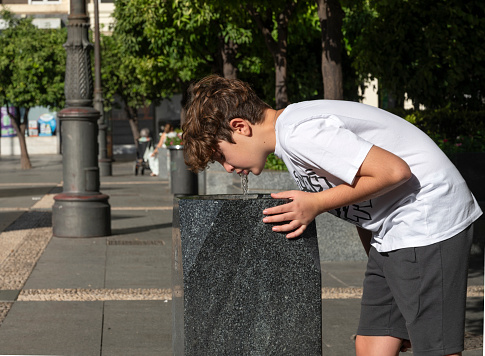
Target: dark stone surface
<point>246,289</point>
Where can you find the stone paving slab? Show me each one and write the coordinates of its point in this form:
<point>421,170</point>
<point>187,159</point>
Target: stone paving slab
<point>70,263</point>
<point>21,195</point>
<point>338,332</point>
<point>7,217</point>
<point>53,328</point>
<point>141,224</point>
<point>137,267</point>
<point>137,328</point>
<point>343,274</point>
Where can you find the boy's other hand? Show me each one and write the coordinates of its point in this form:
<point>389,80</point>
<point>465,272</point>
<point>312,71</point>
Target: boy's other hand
<point>299,213</point>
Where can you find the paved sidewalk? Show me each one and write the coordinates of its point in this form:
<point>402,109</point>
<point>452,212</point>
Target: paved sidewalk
<point>111,295</point>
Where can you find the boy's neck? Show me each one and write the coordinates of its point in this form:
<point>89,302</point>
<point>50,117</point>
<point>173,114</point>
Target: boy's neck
<point>271,116</point>
<point>267,128</point>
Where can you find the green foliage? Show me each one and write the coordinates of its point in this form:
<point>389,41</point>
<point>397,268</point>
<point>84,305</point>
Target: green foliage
<point>448,122</point>
<point>274,163</point>
<point>32,64</point>
<point>304,55</point>
<point>125,75</point>
<point>427,49</point>
<point>470,143</point>
<point>452,130</point>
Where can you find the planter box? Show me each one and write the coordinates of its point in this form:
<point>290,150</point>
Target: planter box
<point>163,163</point>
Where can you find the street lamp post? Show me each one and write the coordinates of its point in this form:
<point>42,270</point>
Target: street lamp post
<point>80,210</point>
<point>103,159</point>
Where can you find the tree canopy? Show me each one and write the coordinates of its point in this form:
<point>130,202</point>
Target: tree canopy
<point>32,68</point>
<point>429,49</point>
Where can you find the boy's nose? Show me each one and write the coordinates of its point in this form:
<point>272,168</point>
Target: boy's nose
<point>228,167</point>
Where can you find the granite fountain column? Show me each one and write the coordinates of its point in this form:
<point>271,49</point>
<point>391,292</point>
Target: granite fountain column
<point>238,287</point>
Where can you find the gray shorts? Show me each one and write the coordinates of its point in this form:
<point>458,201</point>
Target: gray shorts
<point>419,294</point>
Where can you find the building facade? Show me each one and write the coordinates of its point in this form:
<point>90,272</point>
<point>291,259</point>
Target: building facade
<point>54,13</point>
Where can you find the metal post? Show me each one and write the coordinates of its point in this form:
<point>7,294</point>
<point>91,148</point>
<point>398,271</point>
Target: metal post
<point>80,210</point>
<point>103,159</point>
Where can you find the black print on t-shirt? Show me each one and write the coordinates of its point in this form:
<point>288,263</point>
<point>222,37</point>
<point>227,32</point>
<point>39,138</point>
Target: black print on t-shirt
<point>311,182</point>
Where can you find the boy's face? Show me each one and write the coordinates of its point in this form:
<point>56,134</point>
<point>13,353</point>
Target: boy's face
<point>242,156</point>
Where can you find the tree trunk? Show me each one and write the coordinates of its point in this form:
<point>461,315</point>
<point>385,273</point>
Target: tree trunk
<point>277,48</point>
<point>228,52</point>
<point>133,121</point>
<point>331,15</point>
<point>20,127</point>
<point>281,62</point>
<point>281,87</point>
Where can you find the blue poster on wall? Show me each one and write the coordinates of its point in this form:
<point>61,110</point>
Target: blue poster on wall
<point>47,124</point>
<point>7,129</point>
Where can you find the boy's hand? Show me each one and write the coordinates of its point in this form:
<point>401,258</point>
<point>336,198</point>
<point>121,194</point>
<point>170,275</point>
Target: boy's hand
<point>299,213</point>
<point>380,173</point>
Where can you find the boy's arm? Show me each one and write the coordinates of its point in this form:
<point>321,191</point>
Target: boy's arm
<point>365,238</point>
<point>380,173</point>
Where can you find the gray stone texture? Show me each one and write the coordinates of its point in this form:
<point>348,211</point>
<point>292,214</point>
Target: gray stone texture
<point>246,289</point>
<point>217,181</point>
<point>271,180</point>
<point>338,240</point>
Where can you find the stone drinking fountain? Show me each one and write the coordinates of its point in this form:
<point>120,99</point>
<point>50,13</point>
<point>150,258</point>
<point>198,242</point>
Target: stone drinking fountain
<point>238,287</point>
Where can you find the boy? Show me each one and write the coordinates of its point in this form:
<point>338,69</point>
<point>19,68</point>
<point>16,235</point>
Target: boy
<point>412,208</point>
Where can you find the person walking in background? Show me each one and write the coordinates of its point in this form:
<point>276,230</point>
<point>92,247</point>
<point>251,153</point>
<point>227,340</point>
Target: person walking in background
<point>166,132</point>
<point>144,152</point>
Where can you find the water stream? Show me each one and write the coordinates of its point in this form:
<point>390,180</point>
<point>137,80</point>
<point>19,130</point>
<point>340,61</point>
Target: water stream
<point>244,183</point>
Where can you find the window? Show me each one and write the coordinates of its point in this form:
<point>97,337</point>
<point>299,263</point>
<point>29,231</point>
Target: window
<point>43,2</point>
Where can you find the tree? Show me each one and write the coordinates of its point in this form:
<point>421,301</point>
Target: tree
<point>157,47</point>
<point>270,19</point>
<point>304,54</point>
<point>176,41</point>
<point>429,50</point>
<point>183,40</point>
<point>234,33</point>
<point>330,14</point>
<point>32,68</point>
<point>125,77</point>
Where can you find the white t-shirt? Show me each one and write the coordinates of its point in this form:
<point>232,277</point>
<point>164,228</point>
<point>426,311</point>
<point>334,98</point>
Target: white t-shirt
<point>324,142</point>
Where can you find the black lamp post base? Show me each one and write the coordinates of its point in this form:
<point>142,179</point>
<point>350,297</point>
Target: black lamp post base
<point>81,215</point>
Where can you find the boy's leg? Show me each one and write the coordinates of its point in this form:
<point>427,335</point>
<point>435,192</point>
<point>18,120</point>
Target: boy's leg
<point>377,345</point>
<point>382,326</point>
<point>428,285</point>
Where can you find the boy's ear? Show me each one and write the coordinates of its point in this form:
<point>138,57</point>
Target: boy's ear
<point>240,126</point>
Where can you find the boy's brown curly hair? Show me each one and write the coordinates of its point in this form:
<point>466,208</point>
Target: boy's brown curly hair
<point>213,102</point>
